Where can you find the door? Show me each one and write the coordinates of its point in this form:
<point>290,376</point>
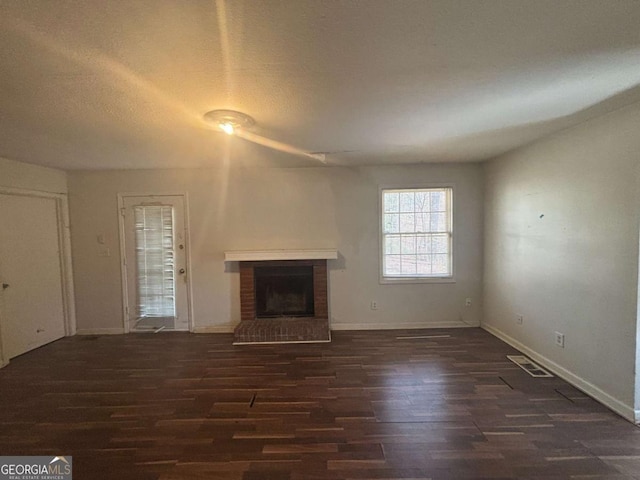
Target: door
<point>31,307</point>
<point>155,263</point>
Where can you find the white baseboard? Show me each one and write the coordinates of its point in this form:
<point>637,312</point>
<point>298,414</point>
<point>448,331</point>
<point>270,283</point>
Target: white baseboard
<point>399,326</point>
<point>214,329</point>
<point>100,331</point>
<point>603,397</point>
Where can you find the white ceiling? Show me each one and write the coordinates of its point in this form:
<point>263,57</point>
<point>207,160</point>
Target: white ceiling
<point>124,83</point>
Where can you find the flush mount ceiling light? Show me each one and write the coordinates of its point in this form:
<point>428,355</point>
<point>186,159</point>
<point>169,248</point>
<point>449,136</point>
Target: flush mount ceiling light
<point>238,124</point>
<point>229,121</point>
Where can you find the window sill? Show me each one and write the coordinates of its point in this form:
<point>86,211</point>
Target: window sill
<point>410,280</point>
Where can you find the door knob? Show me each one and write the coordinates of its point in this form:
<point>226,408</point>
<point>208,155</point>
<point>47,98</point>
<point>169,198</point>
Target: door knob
<point>5,286</point>
<point>181,271</point>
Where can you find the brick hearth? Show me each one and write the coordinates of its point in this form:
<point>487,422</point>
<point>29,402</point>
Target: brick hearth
<point>282,330</point>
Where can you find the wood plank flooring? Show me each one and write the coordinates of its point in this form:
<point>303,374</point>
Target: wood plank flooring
<point>369,405</point>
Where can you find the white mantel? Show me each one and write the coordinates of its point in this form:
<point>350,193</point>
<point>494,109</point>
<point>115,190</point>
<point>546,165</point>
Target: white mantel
<point>266,255</point>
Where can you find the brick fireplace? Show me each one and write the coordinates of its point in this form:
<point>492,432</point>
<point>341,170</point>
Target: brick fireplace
<point>283,296</point>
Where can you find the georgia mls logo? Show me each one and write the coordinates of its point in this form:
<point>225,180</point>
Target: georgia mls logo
<point>36,468</point>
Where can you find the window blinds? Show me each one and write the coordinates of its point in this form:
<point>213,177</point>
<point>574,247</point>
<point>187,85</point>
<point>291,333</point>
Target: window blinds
<point>155,260</point>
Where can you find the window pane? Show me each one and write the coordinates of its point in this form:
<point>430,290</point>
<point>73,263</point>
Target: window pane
<point>438,222</point>
<point>391,202</point>
<point>392,265</point>
<point>423,222</point>
<point>406,202</point>
<point>408,244</point>
<point>438,201</point>
<point>408,264</point>
<point>440,244</point>
<point>391,223</point>
<point>424,264</point>
<point>407,223</point>
<point>423,244</point>
<point>392,244</point>
<point>422,202</point>
<point>440,264</point>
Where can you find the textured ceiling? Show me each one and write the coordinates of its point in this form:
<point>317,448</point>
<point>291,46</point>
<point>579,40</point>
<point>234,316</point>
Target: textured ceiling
<point>124,83</point>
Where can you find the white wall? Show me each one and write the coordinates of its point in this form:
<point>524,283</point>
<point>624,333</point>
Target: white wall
<point>244,209</point>
<point>22,176</point>
<point>561,248</point>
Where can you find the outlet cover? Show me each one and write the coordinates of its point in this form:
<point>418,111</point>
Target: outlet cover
<point>519,319</point>
<point>560,339</point>
<point>467,302</point>
<point>374,305</point>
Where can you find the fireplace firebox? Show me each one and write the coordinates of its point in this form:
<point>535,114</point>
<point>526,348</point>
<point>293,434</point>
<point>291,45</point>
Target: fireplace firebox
<point>284,291</point>
<point>283,288</point>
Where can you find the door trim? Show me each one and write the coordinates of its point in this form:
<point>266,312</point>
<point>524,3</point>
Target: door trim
<point>66,265</point>
<point>123,270</point>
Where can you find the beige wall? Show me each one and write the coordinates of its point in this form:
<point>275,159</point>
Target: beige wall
<point>243,209</point>
<point>31,177</point>
<point>561,249</point>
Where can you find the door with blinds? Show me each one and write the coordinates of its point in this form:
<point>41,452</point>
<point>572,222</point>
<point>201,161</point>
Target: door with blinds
<point>155,256</point>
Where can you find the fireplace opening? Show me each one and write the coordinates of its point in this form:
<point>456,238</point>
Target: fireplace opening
<point>284,291</point>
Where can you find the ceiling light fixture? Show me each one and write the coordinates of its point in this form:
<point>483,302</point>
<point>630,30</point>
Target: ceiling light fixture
<point>229,121</point>
<point>227,128</point>
<point>239,124</point>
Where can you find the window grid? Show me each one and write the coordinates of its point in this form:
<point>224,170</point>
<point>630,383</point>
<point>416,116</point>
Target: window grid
<point>417,233</point>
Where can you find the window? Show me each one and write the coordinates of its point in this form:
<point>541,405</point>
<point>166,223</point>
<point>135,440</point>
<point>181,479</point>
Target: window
<point>155,261</point>
<point>417,234</point>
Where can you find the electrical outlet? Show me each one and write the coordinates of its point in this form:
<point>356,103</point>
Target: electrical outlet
<point>560,339</point>
<point>374,305</point>
<point>467,302</point>
<point>519,319</point>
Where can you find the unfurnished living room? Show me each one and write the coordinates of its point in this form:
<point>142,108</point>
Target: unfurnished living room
<point>319,239</point>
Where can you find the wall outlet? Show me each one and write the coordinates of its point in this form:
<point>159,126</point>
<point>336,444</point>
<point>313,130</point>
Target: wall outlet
<point>374,305</point>
<point>519,319</point>
<point>467,302</point>
<point>560,339</point>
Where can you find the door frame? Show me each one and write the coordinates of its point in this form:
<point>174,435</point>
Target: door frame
<point>123,265</point>
<point>64,257</point>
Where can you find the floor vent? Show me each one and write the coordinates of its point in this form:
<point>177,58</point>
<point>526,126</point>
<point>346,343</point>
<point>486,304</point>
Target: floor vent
<point>529,366</point>
<point>415,337</point>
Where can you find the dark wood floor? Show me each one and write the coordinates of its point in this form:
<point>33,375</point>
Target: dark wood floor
<point>368,405</point>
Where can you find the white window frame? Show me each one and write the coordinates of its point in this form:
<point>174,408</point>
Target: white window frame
<point>415,279</point>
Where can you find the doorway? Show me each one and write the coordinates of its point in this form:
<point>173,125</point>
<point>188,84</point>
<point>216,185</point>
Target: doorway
<point>32,294</point>
<point>155,277</point>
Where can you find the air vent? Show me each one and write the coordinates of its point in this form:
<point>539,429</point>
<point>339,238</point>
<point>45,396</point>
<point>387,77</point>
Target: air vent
<point>529,366</point>
<point>415,337</point>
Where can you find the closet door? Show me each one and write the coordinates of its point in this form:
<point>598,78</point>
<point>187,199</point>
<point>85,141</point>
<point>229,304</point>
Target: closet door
<point>31,298</point>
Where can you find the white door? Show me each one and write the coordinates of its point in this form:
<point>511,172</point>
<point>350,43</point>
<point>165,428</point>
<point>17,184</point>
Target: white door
<point>31,307</point>
<point>155,263</point>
